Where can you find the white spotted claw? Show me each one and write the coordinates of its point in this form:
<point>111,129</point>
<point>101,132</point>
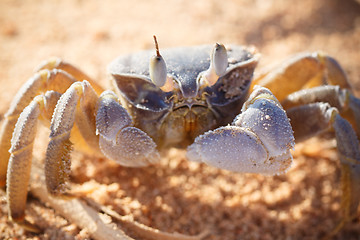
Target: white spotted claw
<point>258,141</point>
<point>118,139</point>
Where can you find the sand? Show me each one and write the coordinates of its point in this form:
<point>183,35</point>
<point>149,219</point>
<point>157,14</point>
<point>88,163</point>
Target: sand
<point>177,195</point>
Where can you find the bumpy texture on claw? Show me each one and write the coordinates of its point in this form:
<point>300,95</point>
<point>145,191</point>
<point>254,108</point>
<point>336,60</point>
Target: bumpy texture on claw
<point>259,140</point>
<point>119,140</point>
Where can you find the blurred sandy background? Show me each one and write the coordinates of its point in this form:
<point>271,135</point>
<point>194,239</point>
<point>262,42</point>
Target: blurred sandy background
<point>177,195</point>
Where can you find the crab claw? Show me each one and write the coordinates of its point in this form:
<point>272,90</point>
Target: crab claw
<point>118,139</point>
<point>258,141</point>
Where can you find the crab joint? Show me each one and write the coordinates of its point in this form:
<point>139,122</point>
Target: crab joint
<point>218,64</point>
<point>158,71</point>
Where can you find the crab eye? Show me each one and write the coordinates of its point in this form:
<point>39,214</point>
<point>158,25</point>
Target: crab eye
<point>157,68</point>
<point>219,59</point>
<point>218,64</point>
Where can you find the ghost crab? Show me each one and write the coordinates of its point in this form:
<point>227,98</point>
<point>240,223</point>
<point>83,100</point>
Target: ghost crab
<point>193,100</point>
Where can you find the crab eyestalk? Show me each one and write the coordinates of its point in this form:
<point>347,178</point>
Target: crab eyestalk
<point>158,71</point>
<point>218,64</point>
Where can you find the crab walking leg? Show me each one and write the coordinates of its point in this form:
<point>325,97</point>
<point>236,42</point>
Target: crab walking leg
<point>57,63</point>
<point>76,105</point>
<point>21,153</point>
<point>303,71</point>
<point>334,95</point>
<point>354,104</point>
<point>258,141</point>
<point>41,82</point>
<point>119,140</point>
<point>349,154</point>
<point>312,119</point>
<point>342,99</point>
<point>83,133</point>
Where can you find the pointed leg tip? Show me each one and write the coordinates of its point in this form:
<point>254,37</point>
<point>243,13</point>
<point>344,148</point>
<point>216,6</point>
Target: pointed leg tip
<point>29,227</point>
<point>26,225</point>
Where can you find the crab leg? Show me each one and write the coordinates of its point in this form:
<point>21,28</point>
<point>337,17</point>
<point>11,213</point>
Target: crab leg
<point>21,154</point>
<point>52,74</point>
<point>42,107</point>
<point>312,119</point>
<point>39,83</point>
<point>342,99</point>
<point>354,105</point>
<point>118,139</point>
<point>334,95</point>
<point>303,71</point>
<point>258,141</point>
<point>78,105</point>
<point>349,154</point>
<point>57,63</point>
